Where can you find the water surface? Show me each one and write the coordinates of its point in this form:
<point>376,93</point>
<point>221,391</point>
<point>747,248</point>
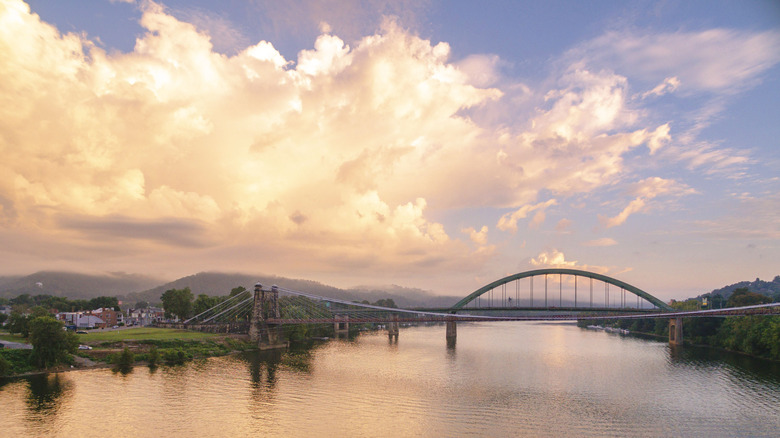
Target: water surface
<point>500,379</point>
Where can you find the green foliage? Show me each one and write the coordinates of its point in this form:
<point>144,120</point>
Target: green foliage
<point>3,318</point>
<point>5,367</point>
<point>175,357</point>
<point>19,323</point>
<point>153,357</point>
<point>38,311</point>
<point>51,344</point>
<point>386,303</point>
<point>755,335</point>
<point>100,302</point>
<point>177,302</point>
<point>743,297</point>
<point>19,360</point>
<point>125,359</point>
<point>237,290</point>
<point>205,302</point>
<point>141,305</point>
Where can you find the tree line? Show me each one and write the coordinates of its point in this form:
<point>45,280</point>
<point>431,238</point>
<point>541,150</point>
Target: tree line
<point>754,335</point>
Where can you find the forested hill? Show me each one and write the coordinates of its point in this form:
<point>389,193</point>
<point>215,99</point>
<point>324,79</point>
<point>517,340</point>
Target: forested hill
<point>216,283</point>
<point>74,285</point>
<point>768,288</point>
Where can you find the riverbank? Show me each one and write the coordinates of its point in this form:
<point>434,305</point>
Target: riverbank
<point>102,350</point>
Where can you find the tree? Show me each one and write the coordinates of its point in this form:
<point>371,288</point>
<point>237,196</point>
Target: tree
<point>3,318</point>
<point>237,290</point>
<point>203,303</point>
<point>388,302</point>
<point>141,305</point>
<point>19,323</point>
<point>177,302</point>
<point>100,302</point>
<point>51,344</point>
<point>743,297</point>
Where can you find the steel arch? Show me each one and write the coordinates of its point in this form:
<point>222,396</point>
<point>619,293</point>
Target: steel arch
<point>633,289</point>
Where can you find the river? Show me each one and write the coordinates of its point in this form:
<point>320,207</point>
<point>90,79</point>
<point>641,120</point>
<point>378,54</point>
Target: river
<point>500,379</point>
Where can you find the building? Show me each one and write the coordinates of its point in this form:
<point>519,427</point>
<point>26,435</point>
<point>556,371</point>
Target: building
<point>81,320</point>
<point>110,316</point>
<point>145,316</point>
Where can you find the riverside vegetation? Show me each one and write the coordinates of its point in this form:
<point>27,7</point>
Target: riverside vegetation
<point>754,335</point>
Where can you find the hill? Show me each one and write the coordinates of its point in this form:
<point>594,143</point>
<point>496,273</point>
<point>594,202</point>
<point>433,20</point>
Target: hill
<point>768,288</point>
<point>215,283</point>
<point>73,285</point>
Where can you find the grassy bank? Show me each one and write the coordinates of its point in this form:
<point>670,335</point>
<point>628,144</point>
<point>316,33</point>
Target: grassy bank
<point>143,334</point>
<point>172,346</point>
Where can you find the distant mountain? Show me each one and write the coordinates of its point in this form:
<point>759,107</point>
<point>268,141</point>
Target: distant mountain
<point>74,286</point>
<point>768,288</point>
<point>215,283</point>
<point>131,288</point>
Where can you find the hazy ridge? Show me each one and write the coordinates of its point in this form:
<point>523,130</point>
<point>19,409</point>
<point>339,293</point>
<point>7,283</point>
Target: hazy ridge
<point>132,288</point>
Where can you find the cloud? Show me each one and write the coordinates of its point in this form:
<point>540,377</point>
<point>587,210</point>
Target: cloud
<point>478,237</point>
<point>714,60</point>
<point>644,191</point>
<point>605,241</point>
<point>508,222</point>
<point>556,259</point>
<point>563,226</point>
<point>349,157</point>
<point>667,86</point>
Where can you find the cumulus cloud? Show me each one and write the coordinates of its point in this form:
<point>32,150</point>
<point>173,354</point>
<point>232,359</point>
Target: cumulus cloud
<point>553,258</point>
<point>478,237</point>
<point>351,155</point>
<point>557,259</point>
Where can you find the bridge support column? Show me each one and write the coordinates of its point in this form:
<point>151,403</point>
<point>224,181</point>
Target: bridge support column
<point>266,306</point>
<point>392,327</point>
<point>452,330</point>
<point>676,331</point>
<point>341,326</point>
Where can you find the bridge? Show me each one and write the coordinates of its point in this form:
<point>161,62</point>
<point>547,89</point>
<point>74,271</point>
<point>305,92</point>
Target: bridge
<point>265,313</point>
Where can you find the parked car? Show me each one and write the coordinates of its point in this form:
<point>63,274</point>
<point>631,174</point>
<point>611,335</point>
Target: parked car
<point>84,347</point>
<point>82,332</point>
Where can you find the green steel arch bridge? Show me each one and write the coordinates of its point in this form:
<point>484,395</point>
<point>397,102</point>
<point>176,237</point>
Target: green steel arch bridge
<point>536,295</point>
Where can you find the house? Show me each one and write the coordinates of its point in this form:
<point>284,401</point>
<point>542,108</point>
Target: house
<point>81,320</point>
<point>145,316</point>
<point>110,316</point>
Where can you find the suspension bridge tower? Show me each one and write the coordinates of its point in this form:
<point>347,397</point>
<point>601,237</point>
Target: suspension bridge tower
<point>265,308</point>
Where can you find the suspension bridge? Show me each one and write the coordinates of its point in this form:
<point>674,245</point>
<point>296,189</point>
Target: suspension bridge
<point>536,295</point>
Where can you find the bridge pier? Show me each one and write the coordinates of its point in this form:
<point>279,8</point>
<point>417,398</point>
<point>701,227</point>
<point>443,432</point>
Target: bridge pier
<point>452,330</point>
<point>265,307</point>
<point>392,327</point>
<point>341,326</point>
<point>676,331</point>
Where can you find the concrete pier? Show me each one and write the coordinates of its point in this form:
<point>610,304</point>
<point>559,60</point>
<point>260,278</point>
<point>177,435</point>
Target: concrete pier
<point>676,331</point>
<point>452,330</point>
<point>341,326</point>
<point>392,327</point>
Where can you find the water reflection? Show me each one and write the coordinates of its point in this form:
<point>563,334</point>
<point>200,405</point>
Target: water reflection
<point>46,395</point>
<point>500,380</point>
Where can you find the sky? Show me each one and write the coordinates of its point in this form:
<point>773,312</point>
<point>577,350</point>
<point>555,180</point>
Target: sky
<point>438,145</point>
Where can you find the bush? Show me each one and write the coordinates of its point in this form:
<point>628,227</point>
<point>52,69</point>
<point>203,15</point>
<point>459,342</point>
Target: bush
<point>125,359</point>
<point>153,357</point>
<point>5,367</point>
<point>175,357</point>
<point>19,360</point>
